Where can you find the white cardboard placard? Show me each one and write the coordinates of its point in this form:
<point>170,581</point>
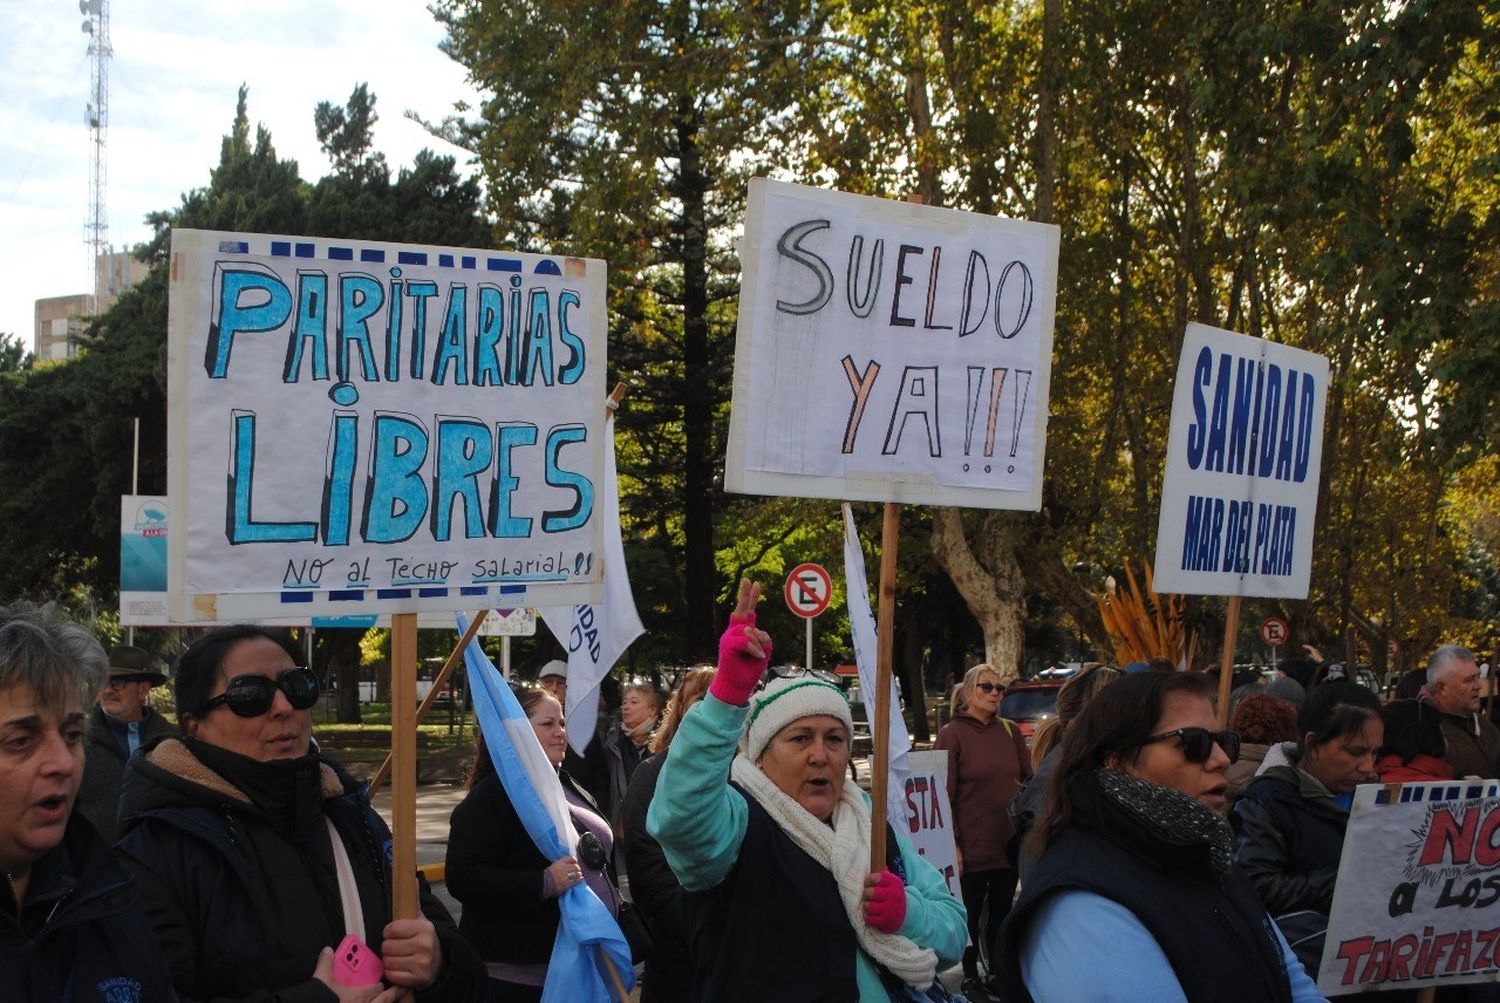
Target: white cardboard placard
<point>1240,494</point>
<point>359,427</point>
<point>888,351</point>
<point>1417,902</point>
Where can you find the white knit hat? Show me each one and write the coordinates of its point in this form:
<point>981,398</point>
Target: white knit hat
<point>784,701</point>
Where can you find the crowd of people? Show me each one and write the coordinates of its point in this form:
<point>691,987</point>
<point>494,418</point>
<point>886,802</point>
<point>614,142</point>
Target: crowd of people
<point>225,857</point>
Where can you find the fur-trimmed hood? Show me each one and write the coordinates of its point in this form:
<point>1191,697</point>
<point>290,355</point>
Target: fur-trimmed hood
<point>169,775</point>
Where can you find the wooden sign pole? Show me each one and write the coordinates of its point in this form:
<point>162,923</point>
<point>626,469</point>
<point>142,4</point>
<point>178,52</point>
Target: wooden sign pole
<point>1226,667</point>
<point>454,657</point>
<point>404,769</point>
<point>880,727</point>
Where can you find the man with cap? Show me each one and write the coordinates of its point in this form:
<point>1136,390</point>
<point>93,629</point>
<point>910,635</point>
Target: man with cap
<point>122,723</point>
<point>590,770</point>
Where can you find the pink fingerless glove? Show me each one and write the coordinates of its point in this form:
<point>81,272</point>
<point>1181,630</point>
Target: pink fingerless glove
<point>739,670</point>
<point>885,908</point>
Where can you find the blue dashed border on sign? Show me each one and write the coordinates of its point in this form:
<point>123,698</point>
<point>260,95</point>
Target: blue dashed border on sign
<point>380,255</point>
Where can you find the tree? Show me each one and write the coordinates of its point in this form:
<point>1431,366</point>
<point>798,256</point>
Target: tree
<point>13,354</point>
<point>628,132</point>
<point>65,431</point>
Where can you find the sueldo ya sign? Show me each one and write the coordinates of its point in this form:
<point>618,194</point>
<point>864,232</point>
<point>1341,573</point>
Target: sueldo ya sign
<point>890,352</point>
<point>1243,459</point>
<point>387,427</point>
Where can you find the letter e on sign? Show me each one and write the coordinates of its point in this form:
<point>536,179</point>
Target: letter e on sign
<point>808,589</point>
<point>1273,631</point>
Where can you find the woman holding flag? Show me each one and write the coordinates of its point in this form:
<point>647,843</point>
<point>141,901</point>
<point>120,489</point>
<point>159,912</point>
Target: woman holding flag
<point>509,890</point>
<point>771,842</point>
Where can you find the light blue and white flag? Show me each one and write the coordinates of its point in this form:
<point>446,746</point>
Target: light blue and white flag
<point>862,627</point>
<point>597,634</point>
<point>576,970</point>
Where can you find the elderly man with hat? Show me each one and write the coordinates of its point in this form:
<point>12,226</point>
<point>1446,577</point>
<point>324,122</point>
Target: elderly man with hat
<point>122,723</point>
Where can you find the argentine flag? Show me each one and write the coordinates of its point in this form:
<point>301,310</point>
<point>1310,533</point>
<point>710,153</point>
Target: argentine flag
<point>588,933</point>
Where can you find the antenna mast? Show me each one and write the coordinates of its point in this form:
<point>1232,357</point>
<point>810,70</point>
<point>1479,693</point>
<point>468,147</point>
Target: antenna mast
<point>96,26</point>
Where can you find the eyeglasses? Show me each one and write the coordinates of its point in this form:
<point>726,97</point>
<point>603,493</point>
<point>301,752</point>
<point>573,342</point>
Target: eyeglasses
<point>252,695</point>
<point>795,671</point>
<point>990,687</point>
<point>1198,743</point>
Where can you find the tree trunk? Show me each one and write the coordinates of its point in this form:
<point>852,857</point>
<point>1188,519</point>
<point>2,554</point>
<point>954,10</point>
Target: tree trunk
<point>909,675</point>
<point>336,656</point>
<point>993,593</point>
<point>1046,112</point>
<point>701,583</point>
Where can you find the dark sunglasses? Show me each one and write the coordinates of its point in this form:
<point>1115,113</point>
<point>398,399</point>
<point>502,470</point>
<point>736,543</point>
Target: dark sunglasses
<point>251,695</point>
<point>1198,743</point>
<point>990,687</point>
<point>120,682</point>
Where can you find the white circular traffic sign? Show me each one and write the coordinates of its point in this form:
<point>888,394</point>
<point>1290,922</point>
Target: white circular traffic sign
<point>1274,631</point>
<point>808,589</point>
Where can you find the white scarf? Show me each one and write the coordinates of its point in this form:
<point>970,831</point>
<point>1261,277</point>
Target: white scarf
<point>844,849</point>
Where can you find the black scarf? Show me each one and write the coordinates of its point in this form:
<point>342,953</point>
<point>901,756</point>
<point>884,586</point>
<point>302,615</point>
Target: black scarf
<point>1169,815</point>
<point>288,791</point>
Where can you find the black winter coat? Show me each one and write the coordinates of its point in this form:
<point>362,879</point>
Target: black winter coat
<point>656,893</point>
<point>1289,839</point>
<point>242,911</point>
<point>496,871</point>
<point>104,769</point>
<point>82,936</point>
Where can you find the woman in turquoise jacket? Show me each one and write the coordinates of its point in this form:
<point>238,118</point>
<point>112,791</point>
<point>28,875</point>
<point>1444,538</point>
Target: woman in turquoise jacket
<point>770,840</point>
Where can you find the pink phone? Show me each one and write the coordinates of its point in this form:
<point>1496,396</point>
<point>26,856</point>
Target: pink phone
<point>354,964</point>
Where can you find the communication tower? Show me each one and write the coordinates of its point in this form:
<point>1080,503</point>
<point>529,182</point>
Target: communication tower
<point>96,231</point>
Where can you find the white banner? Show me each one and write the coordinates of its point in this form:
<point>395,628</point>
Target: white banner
<point>888,351</point>
<point>929,816</point>
<point>597,634</point>
<point>369,427</point>
<point>1417,901</point>
<point>1240,494</point>
<point>863,633</point>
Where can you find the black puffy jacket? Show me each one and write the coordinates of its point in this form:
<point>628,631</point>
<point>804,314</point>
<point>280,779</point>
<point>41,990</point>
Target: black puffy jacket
<point>1289,837</point>
<point>656,893</point>
<point>82,936</point>
<point>242,911</point>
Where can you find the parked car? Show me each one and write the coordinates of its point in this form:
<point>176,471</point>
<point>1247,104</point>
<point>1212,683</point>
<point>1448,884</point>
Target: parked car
<point>1030,703</point>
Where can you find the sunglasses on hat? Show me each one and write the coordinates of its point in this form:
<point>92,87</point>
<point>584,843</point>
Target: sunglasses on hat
<point>1198,743</point>
<point>251,695</point>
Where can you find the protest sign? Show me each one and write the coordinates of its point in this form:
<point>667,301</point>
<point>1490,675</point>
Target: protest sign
<point>371,427</point>
<point>1417,901</point>
<point>929,816</point>
<point>1243,460</point>
<point>143,560</point>
<point>888,351</point>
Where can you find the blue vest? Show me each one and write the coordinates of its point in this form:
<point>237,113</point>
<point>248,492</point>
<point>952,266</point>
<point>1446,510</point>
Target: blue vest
<point>1212,928</point>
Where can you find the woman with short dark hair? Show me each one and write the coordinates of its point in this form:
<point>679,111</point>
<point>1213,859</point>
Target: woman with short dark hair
<point>1413,749</point>
<point>1132,896</point>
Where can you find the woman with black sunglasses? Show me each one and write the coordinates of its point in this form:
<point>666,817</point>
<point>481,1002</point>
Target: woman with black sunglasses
<point>987,764</point>
<point>256,855</point>
<point>1132,895</point>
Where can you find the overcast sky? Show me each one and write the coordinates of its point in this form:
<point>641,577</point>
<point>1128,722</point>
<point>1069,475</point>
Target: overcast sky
<point>172,85</point>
